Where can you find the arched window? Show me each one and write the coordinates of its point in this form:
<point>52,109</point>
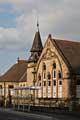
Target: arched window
<point>54,82</point>
<point>39,77</point>
<point>59,75</point>
<point>44,75</point>
<point>49,76</point>
<point>54,70</point>
<point>44,66</point>
<point>44,71</point>
<point>54,65</point>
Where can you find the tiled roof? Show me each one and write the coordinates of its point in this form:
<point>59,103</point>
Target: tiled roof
<point>37,44</point>
<point>71,51</point>
<point>36,48</point>
<point>15,73</point>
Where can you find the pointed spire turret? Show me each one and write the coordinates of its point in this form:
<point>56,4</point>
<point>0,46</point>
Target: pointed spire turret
<point>36,46</point>
<point>37,24</point>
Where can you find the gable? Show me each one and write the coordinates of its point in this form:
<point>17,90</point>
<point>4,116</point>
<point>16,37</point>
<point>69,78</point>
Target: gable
<point>51,53</point>
<point>71,52</point>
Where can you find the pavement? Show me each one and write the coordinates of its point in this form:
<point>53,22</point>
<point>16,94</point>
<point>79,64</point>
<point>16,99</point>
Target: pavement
<point>56,115</point>
<point>27,114</point>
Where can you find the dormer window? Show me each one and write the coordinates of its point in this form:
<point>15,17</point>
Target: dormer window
<point>44,66</point>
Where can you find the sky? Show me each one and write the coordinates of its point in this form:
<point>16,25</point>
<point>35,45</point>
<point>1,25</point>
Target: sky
<point>18,19</point>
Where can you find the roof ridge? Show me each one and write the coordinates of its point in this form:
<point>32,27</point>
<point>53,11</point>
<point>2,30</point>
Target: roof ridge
<point>66,40</point>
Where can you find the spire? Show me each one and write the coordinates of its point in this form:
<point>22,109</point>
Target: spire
<point>37,24</point>
<point>37,45</point>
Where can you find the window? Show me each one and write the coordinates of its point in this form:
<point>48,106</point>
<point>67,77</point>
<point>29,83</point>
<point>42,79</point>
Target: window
<point>78,82</point>
<point>60,82</point>
<point>39,77</point>
<point>40,84</point>
<point>44,66</point>
<point>49,83</point>
<point>44,83</point>
<point>44,75</point>
<point>10,88</point>
<point>0,90</point>
<point>59,75</point>
<point>54,82</point>
<point>49,76</point>
<point>54,74</point>
<point>54,65</point>
<point>54,70</point>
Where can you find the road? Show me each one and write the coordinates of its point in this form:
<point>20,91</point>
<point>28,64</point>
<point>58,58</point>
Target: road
<point>6,114</point>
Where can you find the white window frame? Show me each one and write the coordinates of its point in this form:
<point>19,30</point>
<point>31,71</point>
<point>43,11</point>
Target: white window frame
<point>54,72</point>
<point>44,74</point>
<point>54,90</point>
<point>59,89</point>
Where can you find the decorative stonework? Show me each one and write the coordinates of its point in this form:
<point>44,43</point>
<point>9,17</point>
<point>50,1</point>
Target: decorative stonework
<point>48,54</point>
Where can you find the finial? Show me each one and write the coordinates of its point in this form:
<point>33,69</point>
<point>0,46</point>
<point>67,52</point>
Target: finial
<point>49,36</point>
<point>37,23</point>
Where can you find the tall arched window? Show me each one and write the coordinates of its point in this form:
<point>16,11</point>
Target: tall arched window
<point>54,70</point>
<point>59,75</point>
<point>44,71</point>
<point>49,76</point>
<point>49,84</point>
<point>39,76</point>
<point>44,66</point>
<point>54,65</point>
<point>59,84</point>
<point>54,80</point>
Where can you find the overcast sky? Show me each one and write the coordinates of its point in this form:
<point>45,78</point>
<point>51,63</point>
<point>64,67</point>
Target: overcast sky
<point>18,19</point>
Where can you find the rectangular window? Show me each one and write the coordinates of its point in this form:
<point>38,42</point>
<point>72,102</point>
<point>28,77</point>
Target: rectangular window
<point>60,82</point>
<point>10,88</point>
<point>54,74</point>
<point>78,82</point>
<point>49,83</point>
<point>44,83</point>
<point>40,84</point>
<point>54,82</point>
<point>0,90</point>
<point>44,75</point>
